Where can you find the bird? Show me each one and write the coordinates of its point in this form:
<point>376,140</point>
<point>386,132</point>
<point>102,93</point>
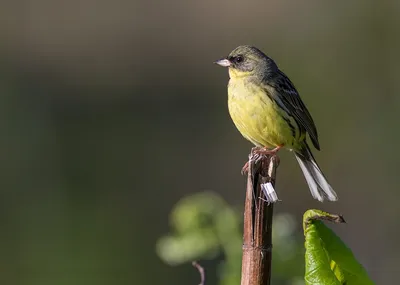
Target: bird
<point>267,110</point>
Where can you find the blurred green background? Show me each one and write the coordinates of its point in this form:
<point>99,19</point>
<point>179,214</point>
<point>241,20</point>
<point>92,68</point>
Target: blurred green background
<point>111,111</point>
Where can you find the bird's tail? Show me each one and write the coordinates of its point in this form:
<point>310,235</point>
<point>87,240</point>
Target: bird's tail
<point>319,187</point>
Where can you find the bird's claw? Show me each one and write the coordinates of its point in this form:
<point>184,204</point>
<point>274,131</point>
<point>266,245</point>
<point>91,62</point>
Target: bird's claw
<point>245,168</point>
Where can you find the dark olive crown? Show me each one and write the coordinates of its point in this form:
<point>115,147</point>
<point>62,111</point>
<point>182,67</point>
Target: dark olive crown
<point>249,58</point>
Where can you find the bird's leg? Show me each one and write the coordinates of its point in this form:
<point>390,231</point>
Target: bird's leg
<point>260,151</point>
<point>265,150</point>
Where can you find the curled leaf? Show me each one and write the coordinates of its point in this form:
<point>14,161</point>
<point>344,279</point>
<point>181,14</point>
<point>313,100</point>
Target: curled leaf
<point>328,260</point>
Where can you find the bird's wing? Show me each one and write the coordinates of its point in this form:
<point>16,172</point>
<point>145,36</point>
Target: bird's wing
<point>286,97</point>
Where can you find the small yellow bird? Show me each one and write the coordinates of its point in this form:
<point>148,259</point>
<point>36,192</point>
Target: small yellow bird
<point>268,111</point>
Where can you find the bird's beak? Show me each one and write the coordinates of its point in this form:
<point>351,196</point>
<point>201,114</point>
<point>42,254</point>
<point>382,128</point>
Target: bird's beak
<point>223,62</point>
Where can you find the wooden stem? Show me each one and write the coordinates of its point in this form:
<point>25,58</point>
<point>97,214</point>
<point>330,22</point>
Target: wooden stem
<point>257,235</point>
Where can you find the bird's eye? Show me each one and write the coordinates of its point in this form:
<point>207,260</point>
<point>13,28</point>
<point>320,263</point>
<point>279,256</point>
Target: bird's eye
<point>239,59</point>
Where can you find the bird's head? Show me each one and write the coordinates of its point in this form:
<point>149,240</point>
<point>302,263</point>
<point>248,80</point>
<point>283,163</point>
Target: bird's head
<point>247,61</point>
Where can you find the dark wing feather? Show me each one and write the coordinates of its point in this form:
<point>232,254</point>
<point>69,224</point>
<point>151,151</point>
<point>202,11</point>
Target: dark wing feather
<point>287,98</point>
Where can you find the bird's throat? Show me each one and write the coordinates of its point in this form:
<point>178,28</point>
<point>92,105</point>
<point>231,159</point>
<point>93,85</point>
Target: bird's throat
<point>236,73</point>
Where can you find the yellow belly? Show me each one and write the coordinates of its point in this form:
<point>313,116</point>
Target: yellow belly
<point>257,117</point>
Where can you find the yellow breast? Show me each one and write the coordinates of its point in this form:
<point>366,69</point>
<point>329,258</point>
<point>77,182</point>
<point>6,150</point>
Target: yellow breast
<point>256,116</point>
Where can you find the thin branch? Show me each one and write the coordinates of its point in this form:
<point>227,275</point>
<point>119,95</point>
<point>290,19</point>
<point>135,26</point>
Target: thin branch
<point>201,271</point>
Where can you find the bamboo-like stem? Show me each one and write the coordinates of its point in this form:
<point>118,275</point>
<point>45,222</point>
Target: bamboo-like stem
<point>257,235</point>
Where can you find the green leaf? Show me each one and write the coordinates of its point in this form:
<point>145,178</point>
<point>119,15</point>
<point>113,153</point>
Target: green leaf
<point>203,225</point>
<point>328,260</point>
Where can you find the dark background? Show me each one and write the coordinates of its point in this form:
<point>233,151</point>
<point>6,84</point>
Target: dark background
<point>113,110</point>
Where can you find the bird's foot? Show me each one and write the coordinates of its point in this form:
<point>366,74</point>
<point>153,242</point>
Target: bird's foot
<point>257,153</point>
